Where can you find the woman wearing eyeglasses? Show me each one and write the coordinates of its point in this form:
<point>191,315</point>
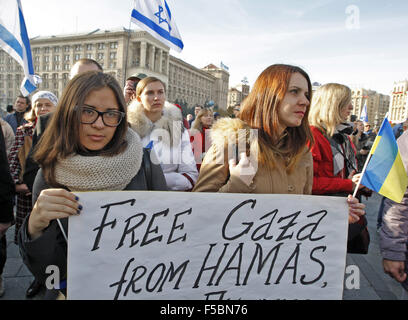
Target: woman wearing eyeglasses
<point>87,146</point>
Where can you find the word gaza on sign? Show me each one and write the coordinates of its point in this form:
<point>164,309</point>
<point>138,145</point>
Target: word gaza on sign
<point>215,246</point>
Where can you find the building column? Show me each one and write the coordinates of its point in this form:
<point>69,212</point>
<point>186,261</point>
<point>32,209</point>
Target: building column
<point>143,48</point>
<point>167,63</point>
<point>152,52</point>
<point>160,60</point>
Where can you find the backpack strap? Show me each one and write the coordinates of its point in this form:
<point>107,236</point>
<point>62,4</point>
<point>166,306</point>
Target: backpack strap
<point>147,168</point>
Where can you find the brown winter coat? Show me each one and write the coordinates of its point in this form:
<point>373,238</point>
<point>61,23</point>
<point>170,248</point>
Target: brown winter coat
<point>214,174</point>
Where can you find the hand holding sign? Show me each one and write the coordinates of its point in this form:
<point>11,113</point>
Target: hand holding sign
<point>51,204</point>
<point>244,170</point>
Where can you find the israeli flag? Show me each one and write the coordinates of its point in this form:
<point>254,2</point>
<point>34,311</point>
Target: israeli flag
<point>154,16</point>
<point>223,66</point>
<point>364,115</point>
<point>14,40</point>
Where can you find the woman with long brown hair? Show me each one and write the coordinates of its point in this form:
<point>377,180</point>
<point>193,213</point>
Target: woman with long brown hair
<point>87,146</point>
<point>271,135</point>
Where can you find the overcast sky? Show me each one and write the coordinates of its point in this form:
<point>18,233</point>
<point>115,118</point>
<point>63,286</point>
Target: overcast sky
<point>357,43</point>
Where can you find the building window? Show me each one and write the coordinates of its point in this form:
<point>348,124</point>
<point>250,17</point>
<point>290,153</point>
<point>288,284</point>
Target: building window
<point>89,55</point>
<point>113,45</point>
<point>46,50</point>
<point>78,47</point>
<point>66,67</point>
<point>66,57</point>
<point>56,49</point>
<point>89,46</point>
<point>46,58</point>
<point>101,46</point>
<point>77,57</point>
<point>56,58</point>
<point>66,48</point>
<point>112,55</point>
<point>100,56</point>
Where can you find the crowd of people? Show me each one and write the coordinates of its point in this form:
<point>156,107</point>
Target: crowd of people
<point>98,136</point>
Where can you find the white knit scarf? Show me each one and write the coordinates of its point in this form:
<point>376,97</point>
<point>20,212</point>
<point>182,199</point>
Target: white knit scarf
<point>91,173</point>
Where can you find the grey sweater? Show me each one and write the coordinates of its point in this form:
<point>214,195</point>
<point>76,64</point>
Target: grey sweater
<point>394,230</point>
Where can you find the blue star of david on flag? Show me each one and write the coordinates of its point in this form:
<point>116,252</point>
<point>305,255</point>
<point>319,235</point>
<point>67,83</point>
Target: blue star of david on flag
<point>154,16</point>
<point>161,20</point>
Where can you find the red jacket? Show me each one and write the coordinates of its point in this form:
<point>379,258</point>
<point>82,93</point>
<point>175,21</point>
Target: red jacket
<point>324,181</point>
<point>200,144</point>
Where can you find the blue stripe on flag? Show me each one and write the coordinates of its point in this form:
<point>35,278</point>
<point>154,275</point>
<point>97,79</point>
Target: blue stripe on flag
<point>29,86</point>
<point>168,9</point>
<point>382,160</point>
<point>152,25</point>
<point>11,41</point>
<point>26,43</point>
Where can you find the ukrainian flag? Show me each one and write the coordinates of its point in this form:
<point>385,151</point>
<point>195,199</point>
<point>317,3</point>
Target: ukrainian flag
<point>385,172</point>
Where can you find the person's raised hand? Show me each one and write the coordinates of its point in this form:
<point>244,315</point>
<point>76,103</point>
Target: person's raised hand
<point>51,204</point>
<point>244,170</point>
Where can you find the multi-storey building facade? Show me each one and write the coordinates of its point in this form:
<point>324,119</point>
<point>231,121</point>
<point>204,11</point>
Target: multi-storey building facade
<point>190,85</point>
<point>220,85</point>
<point>121,53</point>
<point>237,94</point>
<point>377,105</point>
<point>399,104</point>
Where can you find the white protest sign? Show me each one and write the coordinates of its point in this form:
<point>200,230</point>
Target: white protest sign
<point>186,245</point>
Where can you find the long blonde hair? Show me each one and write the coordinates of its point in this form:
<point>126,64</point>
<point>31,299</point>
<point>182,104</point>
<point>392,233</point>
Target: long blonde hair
<point>197,124</point>
<point>327,102</point>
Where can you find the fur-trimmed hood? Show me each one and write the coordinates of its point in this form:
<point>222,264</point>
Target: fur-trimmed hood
<point>234,132</point>
<point>171,121</point>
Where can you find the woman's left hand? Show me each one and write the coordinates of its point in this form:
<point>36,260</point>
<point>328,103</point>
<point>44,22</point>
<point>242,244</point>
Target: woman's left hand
<point>356,209</point>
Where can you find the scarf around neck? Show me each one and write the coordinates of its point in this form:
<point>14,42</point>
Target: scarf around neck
<point>101,173</point>
<point>344,158</point>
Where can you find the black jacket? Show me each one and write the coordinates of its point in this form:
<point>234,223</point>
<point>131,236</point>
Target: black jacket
<point>7,187</point>
<point>51,248</point>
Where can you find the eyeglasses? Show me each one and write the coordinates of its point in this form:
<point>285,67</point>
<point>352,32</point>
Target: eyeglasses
<point>110,118</point>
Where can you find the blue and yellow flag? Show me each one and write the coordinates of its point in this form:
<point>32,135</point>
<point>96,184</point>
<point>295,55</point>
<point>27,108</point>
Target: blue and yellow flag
<point>385,172</point>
